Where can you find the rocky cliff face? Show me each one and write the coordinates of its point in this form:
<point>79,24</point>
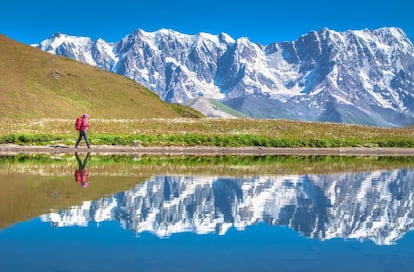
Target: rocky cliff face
<point>370,205</point>
<point>364,77</point>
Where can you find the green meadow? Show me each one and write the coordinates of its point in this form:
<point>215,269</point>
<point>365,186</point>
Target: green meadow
<point>204,132</point>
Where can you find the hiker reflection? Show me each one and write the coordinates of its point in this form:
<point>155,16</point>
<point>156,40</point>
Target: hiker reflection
<point>81,174</point>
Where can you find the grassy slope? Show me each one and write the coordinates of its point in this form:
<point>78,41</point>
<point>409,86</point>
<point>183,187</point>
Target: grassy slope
<point>35,84</point>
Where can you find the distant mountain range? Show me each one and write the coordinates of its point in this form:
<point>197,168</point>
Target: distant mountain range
<point>358,77</point>
<point>373,206</point>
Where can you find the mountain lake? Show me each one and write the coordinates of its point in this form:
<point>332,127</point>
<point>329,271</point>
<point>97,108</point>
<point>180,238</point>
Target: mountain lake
<point>89,212</point>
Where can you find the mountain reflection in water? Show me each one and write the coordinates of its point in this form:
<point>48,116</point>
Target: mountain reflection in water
<point>375,206</point>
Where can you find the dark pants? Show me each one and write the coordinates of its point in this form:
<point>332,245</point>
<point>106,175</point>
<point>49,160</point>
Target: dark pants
<point>82,134</point>
<point>82,165</point>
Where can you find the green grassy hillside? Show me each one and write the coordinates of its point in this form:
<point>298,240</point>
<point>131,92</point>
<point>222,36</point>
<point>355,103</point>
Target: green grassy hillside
<point>35,84</point>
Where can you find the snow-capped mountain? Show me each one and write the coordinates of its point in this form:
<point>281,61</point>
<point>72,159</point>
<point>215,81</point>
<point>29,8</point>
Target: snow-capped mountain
<point>364,76</point>
<point>367,205</point>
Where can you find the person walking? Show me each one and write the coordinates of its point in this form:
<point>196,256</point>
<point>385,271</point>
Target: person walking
<point>82,125</point>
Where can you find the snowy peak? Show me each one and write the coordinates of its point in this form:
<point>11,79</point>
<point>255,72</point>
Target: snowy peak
<point>61,42</point>
<point>226,39</point>
<point>357,76</point>
<point>97,53</point>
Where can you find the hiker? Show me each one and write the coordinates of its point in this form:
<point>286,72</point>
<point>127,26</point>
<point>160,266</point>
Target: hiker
<point>82,125</point>
<point>80,174</point>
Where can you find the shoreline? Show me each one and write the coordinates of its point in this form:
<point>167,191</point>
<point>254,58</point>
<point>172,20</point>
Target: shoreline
<point>10,149</point>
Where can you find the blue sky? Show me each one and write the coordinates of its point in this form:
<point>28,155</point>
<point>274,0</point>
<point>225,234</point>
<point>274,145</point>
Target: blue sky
<point>263,21</point>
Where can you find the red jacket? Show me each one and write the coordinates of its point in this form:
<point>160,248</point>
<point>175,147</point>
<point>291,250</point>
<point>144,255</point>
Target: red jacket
<point>84,124</point>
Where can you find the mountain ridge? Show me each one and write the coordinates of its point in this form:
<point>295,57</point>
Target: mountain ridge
<point>357,76</point>
<point>35,84</point>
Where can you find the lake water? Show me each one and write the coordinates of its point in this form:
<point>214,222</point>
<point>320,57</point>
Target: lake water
<point>198,214</point>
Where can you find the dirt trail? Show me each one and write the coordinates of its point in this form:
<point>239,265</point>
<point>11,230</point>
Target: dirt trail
<point>207,150</point>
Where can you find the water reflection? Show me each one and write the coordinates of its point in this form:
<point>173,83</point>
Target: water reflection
<point>81,173</point>
<point>375,205</point>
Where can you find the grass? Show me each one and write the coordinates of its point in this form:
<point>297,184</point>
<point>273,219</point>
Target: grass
<point>205,132</point>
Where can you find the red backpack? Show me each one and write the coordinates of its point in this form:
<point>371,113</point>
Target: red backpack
<point>78,124</point>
